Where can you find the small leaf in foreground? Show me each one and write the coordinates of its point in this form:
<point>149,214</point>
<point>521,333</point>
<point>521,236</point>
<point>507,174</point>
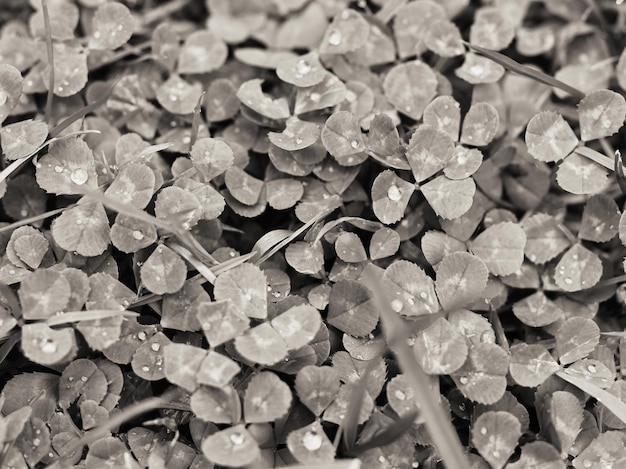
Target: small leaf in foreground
<point>298,325</point>
<point>480,125</point>
<point>580,175</point>
<point>164,271</point>
<point>501,248</point>
<point>211,157</point>
<point>83,229</point>
<point>303,71</point>
<point>67,168</point>
<point>461,279</point>
<point>234,446</point>
<point>495,436</point>
<point>578,269</point>
<point>351,308</point>
<point>415,290</point>
<point>385,242</point>
<point>251,94</point>
<point>81,380</point>
<point>549,137</point>
<point>317,387</point>
<point>601,114</point>
<point>202,52</point>
<point>544,238</point>
<point>22,138</point>
<point>440,349</point>
<point>565,413</point>
<point>221,321</point>
<point>390,196</point>
<point>576,338</point>
<point>429,151</point>
<point>342,137</point>
<point>600,220</point>
<point>449,198</point>
<point>181,363</point>
<point>43,294</point>
<point>531,364</point>
<point>482,378</point>
<point>538,454</point>
<point>267,398</point>
<point>47,346</point>
<point>310,445</point>
<point>246,287</point>
<point>261,344</point>
<point>217,370</point>
<point>400,89</point>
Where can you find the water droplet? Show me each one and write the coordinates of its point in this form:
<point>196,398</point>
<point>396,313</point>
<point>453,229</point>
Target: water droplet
<point>97,34</point>
<point>4,97</point>
<point>142,336</point>
<point>397,305</point>
<point>591,368</point>
<point>48,347</point>
<point>173,97</point>
<point>312,441</point>
<point>58,169</point>
<point>60,89</point>
<point>155,347</point>
<point>70,379</point>
<point>315,97</point>
<point>36,442</point>
<point>303,67</point>
<point>399,395</point>
<point>237,438</point>
<point>145,368</point>
<point>464,379</point>
<point>393,193</point>
<point>354,144</point>
<point>79,176</point>
<point>587,463</point>
<point>138,235</point>
<point>84,379</point>
<point>334,39</point>
<point>496,454</point>
<point>568,281</point>
<point>298,141</point>
<point>483,431</point>
<point>423,295</point>
<point>381,459</point>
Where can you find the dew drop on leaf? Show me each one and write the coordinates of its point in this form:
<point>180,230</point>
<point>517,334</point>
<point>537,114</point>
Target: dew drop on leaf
<point>397,305</point>
<point>3,98</point>
<point>155,346</point>
<point>303,67</point>
<point>312,441</point>
<point>79,176</point>
<point>138,235</point>
<point>399,395</point>
<point>237,438</point>
<point>58,169</point>
<point>335,38</point>
<point>48,347</point>
<point>142,336</point>
<point>464,380</point>
<point>315,97</point>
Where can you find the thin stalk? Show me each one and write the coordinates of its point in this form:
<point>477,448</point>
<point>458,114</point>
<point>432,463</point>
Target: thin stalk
<point>50,50</point>
<point>34,219</point>
<point>596,157</point>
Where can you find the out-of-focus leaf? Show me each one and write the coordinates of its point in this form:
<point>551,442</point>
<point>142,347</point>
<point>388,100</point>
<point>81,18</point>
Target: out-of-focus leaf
<point>112,26</point>
<point>440,349</point>
<point>261,344</point>
<point>234,446</point>
<point>303,71</point>
<point>310,445</point>
<point>217,405</point>
<point>477,69</point>
<point>246,287</point>
<point>47,346</point>
<point>411,25</point>
<point>22,138</point>
<point>251,94</point>
<point>317,387</point>
<point>538,454</point>
<point>11,83</point>
<point>202,52</point>
<point>67,168</point>
<point>491,29</point>
<point>267,398</point>
<point>328,92</point>
<point>211,157</point>
<point>444,38</point>
<point>347,32</point>
<point>179,96</point>
<point>221,321</point>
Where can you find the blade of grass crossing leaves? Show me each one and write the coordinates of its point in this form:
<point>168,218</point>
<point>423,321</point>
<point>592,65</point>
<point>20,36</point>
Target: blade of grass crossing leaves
<point>195,123</point>
<point>439,427</point>
<point>611,402</point>
<point>17,164</point>
<point>351,420</point>
<point>199,266</point>
<point>36,218</point>
<point>50,51</point>
<point>69,120</point>
<point>389,434</point>
<point>596,157</point>
<point>619,171</point>
<point>91,315</point>
<point>516,67</point>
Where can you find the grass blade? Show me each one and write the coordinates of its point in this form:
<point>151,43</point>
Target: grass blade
<point>531,73</point>
<point>389,434</point>
<point>444,437</point>
<point>596,157</point>
<point>611,402</point>
<point>50,50</point>
<point>351,419</point>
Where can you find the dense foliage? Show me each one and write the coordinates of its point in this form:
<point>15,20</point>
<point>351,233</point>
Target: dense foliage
<point>380,234</point>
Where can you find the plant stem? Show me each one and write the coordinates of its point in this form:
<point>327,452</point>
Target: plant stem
<point>50,50</point>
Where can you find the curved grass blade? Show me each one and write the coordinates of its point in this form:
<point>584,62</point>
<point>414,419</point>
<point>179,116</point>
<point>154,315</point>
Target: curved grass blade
<point>50,51</point>
<point>517,67</point>
<point>444,437</point>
